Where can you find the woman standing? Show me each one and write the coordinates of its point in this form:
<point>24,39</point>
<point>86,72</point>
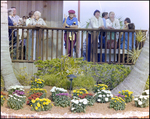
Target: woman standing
<point>37,21</point>
<point>31,16</point>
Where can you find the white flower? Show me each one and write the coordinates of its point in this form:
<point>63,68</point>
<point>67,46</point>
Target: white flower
<point>79,104</point>
<point>111,95</point>
<point>81,100</point>
<point>85,102</point>
<point>72,108</point>
<point>100,96</point>
<point>106,99</point>
<point>98,100</point>
<point>98,90</point>
<point>147,92</point>
<point>103,95</point>
<point>10,95</point>
<point>19,100</point>
<point>135,99</point>
<point>75,101</point>
<point>108,95</point>
<point>53,89</point>
<point>139,102</point>
<point>67,71</point>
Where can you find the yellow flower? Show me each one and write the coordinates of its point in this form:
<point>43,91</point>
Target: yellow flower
<point>37,84</point>
<point>132,96</point>
<point>77,94</point>
<point>95,85</point>
<point>33,101</point>
<point>119,91</point>
<point>38,104</point>
<point>1,96</point>
<point>125,95</point>
<point>43,103</point>
<point>36,108</point>
<point>42,106</point>
<point>37,99</point>
<point>31,105</point>
<point>52,105</point>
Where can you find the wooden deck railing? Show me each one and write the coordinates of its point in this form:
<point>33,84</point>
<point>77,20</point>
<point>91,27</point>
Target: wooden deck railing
<point>45,38</point>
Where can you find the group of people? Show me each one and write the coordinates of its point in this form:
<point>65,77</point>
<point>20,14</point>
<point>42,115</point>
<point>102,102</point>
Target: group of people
<point>34,19</point>
<point>108,21</point>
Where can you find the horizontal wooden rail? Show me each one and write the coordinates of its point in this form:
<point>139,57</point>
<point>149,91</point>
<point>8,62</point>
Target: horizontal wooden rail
<point>101,45</point>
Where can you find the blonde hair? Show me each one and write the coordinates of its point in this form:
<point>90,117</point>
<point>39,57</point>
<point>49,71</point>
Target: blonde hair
<point>111,13</point>
<point>39,13</point>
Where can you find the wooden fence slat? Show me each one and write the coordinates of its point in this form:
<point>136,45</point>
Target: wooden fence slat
<point>27,44</point>
<point>101,46</point>
<point>77,40</point>
<point>43,41</point>
<point>106,48</point>
<point>87,45</point>
<point>115,49</point>
<point>82,45</point>
<point>67,43</point>
<point>37,48</point>
<point>72,45</point>
<point>17,44</point>
<point>91,49</point>
<point>128,50</point>
<point>123,47</point>
<point>52,46</point>
<point>32,45</point>
<point>110,48</point>
<point>39,44</point>
<point>62,42</point>
<point>22,45</point>
<point>119,48</point>
<point>94,47</point>
<point>97,34</point>
<point>57,45</point>
<point>47,44</point>
<point>12,42</point>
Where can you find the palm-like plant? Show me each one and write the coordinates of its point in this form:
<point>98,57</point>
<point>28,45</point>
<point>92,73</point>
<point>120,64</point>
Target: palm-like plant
<point>133,55</point>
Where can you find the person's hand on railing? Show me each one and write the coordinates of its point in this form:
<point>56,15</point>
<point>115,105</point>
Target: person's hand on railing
<point>110,27</point>
<point>14,23</point>
<point>102,27</point>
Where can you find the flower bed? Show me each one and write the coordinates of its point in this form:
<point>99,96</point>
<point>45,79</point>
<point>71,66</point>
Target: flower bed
<point>117,103</point>
<point>103,96</point>
<point>79,92</point>
<point>17,88</point>
<point>34,96</point>
<point>41,104</point>
<point>62,99</point>
<point>15,101</point>
<point>89,97</point>
<point>99,87</point>
<point>78,105</point>
<point>127,94</point>
<point>37,83</point>
<point>56,90</point>
<point>38,90</point>
<point>142,100</point>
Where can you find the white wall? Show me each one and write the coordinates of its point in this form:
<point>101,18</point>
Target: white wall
<point>137,11</point>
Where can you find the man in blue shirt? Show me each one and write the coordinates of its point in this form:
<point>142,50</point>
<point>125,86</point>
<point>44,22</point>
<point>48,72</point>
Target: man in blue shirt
<point>70,22</point>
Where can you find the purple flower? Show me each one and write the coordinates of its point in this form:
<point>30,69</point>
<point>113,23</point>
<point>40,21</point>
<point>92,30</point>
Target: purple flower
<point>61,94</point>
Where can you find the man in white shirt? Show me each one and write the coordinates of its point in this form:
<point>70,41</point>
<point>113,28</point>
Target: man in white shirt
<point>15,17</point>
<point>95,22</point>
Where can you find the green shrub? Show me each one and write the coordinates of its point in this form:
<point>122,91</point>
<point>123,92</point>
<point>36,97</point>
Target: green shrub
<point>2,83</point>
<point>109,74</point>
<point>55,73</point>
<point>22,76</point>
<point>147,84</point>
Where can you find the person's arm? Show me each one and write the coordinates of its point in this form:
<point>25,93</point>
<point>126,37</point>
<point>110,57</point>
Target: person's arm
<point>64,21</point>
<point>75,26</point>
<point>102,24</point>
<point>117,26</point>
<point>108,24</point>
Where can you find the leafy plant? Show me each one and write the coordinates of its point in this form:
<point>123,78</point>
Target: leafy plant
<point>16,88</point>
<point>79,92</point>
<point>127,94</point>
<point>103,96</point>
<point>2,99</point>
<point>78,105</point>
<point>99,87</point>
<point>55,90</point>
<point>15,102</point>
<point>89,97</point>
<point>147,84</point>
<point>133,55</point>
<point>109,74</point>
<point>117,103</point>
<point>34,96</point>
<point>142,100</point>
<point>22,76</point>
<point>37,83</point>
<point>62,99</point>
<point>41,104</point>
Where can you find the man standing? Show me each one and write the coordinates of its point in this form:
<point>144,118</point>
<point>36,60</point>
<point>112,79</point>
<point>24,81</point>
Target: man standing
<point>15,18</point>
<point>70,22</point>
<point>104,17</point>
<point>95,22</point>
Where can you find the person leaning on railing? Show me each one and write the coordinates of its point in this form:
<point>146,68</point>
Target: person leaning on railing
<point>31,16</point>
<point>37,21</point>
<point>130,26</point>
<point>95,22</point>
<point>70,22</point>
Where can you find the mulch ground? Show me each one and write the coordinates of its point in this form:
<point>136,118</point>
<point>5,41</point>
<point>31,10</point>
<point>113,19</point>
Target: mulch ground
<point>99,108</point>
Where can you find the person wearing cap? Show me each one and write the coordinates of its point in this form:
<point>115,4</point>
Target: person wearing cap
<point>70,22</point>
<point>95,22</point>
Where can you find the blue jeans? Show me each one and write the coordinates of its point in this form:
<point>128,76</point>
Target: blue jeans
<point>103,46</point>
